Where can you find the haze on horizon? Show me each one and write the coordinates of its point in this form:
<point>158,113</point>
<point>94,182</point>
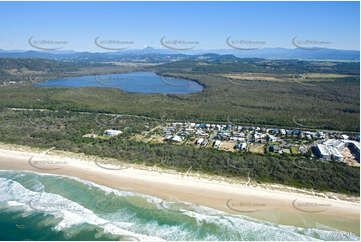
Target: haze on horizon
<point>207,23</point>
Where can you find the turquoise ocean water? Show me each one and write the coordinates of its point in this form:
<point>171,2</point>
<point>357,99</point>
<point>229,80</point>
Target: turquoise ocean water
<point>35,206</point>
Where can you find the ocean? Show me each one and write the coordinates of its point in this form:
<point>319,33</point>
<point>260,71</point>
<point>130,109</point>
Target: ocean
<point>36,206</point>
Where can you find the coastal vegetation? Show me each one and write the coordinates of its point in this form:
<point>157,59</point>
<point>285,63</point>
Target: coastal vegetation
<point>65,131</point>
<point>324,101</point>
<point>29,71</point>
<point>282,93</point>
<point>327,105</point>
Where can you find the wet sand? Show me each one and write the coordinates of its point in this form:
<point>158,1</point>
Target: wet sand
<point>287,208</point>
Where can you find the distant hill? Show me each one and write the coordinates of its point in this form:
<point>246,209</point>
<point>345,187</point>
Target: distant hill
<point>160,54</point>
<point>297,53</point>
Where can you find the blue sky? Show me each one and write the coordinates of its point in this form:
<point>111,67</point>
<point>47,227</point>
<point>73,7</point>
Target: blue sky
<point>209,23</point>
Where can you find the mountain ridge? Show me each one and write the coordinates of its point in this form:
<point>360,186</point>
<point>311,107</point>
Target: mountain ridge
<point>264,53</point>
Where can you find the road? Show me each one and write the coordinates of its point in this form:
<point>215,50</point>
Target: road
<point>173,120</point>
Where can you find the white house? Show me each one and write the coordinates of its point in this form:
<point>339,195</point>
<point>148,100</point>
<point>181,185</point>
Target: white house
<point>216,143</point>
<point>177,138</point>
<point>201,133</point>
<point>344,136</point>
<point>320,134</point>
<point>174,138</point>
<point>112,132</point>
<point>259,135</point>
<point>272,138</point>
<point>177,124</point>
<point>199,141</point>
<point>237,139</point>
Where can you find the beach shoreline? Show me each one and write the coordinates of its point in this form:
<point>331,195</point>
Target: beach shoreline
<point>271,203</point>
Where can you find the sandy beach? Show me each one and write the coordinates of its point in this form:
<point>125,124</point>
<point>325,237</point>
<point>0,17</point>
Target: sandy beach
<point>274,205</point>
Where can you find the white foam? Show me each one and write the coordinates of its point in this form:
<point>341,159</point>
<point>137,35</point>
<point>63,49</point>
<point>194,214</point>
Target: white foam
<point>70,212</point>
<point>15,203</point>
<point>241,226</point>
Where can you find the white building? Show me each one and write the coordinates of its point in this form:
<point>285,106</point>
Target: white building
<point>112,132</point>
<point>237,139</point>
<point>323,152</point>
<point>199,141</point>
<point>344,136</point>
<point>204,143</point>
<point>236,134</point>
<point>259,136</point>
<point>177,124</point>
<point>320,134</point>
<point>330,150</point>
<point>338,144</point>
<point>201,133</point>
<point>216,143</point>
<point>176,138</point>
<point>271,138</point>
<point>335,153</point>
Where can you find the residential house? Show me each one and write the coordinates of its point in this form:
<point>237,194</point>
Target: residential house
<point>112,132</point>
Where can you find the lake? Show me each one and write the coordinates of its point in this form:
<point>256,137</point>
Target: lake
<point>139,82</point>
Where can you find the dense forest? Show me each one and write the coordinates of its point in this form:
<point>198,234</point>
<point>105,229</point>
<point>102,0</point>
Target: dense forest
<point>65,130</point>
<point>29,71</point>
<point>330,103</point>
<point>324,105</point>
<point>229,64</point>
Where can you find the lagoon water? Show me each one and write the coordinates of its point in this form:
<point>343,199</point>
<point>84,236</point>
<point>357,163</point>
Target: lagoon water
<point>140,82</point>
<point>36,206</point>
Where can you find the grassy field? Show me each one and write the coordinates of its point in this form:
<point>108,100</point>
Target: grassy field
<point>306,77</point>
<point>256,149</point>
